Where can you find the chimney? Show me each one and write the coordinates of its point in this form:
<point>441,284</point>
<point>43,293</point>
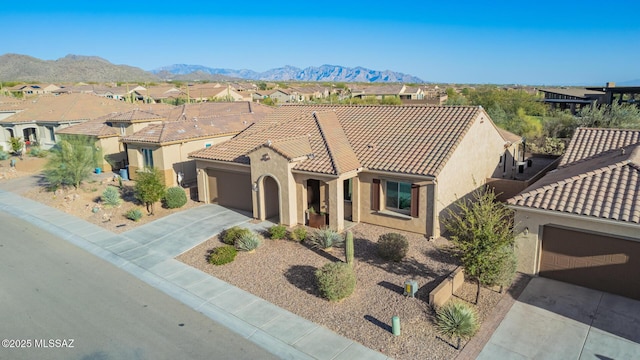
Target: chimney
<point>611,84</point>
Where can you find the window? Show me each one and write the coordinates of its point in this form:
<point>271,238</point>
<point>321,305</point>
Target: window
<point>123,129</point>
<point>207,145</point>
<point>348,189</point>
<point>147,157</point>
<point>52,133</point>
<point>398,196</point>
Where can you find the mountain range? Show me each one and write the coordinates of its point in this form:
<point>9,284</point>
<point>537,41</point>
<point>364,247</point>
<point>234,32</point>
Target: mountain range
<point>77,68</point>
<point>333,73</point>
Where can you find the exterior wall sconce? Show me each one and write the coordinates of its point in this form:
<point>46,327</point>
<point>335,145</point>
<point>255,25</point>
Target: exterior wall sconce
<point>526,231</point>
<point>254,186</point>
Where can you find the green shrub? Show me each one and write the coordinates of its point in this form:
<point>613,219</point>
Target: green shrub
<point>278,232</point>
<point>298,234</point>
<point>336,280</point>
<point>36,151</point>
<point>392,246</point>
<point>222,255</point>
<point>457,319</point>
<point>134,214</point>
<point>175,197</point>
<point>111,196</point>
<point>248,241</point>
<point>4,155</point>
<point>230,235</point>
<point>326,238</point>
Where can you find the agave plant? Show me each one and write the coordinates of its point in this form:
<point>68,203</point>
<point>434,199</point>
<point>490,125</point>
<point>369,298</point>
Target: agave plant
<point>457,319</point>
<point>326,238</point>
<point>248,241</point>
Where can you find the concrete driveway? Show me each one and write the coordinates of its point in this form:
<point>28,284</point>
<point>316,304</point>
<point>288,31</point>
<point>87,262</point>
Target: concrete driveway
<point>556,320</point>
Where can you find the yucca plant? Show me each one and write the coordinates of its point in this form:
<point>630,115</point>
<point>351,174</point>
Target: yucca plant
<point>111,197</point>
<point>326,238</point>
<point>457,319</point>
<point>248,241</point>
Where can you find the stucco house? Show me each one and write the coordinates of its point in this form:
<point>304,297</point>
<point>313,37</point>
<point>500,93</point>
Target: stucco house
<point>46,114</point>
<point>581,222</point>
<point>396,166</point>
<point>105,132</point>
<point>165,144</point>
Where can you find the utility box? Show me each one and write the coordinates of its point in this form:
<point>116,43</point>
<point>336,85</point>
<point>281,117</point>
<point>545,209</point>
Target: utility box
<point>410,288</point>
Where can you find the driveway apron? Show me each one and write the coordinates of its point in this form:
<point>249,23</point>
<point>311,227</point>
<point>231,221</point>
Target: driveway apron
<point>556,320</point>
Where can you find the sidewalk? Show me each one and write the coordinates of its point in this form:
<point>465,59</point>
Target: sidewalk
<point>148,253</point>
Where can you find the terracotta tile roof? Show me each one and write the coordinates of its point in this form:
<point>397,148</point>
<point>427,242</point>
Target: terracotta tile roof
<point>587,142</point>
<point>404,139</point>
<point>97,128</point>
<point>70,107</point>
<point>9,103</point>
<point>343,159</point>
<point>213,119</point>
<point>290,148</point>
<point>137,115</point>
<point>606,186</point>
<point>509,136</point>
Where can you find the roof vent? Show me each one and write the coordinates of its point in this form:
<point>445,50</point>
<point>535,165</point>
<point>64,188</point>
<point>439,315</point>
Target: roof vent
<point>622,151</point>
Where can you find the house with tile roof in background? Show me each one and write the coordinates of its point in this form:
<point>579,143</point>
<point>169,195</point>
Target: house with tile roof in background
<point>581,223</point>
<point>105,132</point>
<point>165,143</point>
<point>397,166</point>
<point>44,115</point>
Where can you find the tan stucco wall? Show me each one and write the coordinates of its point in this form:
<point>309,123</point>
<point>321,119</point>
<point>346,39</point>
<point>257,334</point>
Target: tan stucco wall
<point>170,159</point>
<point>388,218</point>
<point>113,149</point>
<point>528,247</point>
<point>266,162</point>
<point>472,162</point>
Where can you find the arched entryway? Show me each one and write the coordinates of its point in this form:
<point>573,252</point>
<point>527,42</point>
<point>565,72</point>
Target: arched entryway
<point>271,198</point>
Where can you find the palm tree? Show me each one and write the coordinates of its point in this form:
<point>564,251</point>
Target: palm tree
<point>457,319</point>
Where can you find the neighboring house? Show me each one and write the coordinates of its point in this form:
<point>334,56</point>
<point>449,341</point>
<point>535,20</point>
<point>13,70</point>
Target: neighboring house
<point>106,132</point>
<point>618,94</point>
<point>309,93</point>
<point>33,89</point>
<point>213,93</point>
<point>103,137</point>
<point>46,114</point>
<point>165,145</point>
<point>380,92</point>
<point>156,94</point>
<point>397,166</point>
<point>280,96</point>
<point>9,106</point>
<point>573,99</point>
<point>581,222</point>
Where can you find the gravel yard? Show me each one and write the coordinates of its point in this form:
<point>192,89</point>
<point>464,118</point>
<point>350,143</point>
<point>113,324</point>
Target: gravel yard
<point>282,272</point>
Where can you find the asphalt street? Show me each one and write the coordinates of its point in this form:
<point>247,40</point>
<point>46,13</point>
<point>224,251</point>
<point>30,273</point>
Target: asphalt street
<point>59,302</point>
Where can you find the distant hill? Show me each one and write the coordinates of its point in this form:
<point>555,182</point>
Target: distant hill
<point>333,73</point>
<point>76,68</point>
<point>71,68</point>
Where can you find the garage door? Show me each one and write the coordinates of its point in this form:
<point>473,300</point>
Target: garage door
<point>594,260</point>
<point>230,189</point>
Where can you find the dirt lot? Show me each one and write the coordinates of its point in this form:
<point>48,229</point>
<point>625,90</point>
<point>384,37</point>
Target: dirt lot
<point>83,202</point>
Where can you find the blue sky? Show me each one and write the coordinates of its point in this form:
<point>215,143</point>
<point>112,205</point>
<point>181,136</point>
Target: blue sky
<point>501,42</point>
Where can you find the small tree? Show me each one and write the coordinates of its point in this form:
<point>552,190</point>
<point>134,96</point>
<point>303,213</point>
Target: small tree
<point>149,188</point>
<point>16,144</point>
<point>481,230</point>
<point>71,161</point>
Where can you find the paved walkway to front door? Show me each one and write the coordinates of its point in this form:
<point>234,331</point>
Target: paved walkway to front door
<point>556,320</point>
